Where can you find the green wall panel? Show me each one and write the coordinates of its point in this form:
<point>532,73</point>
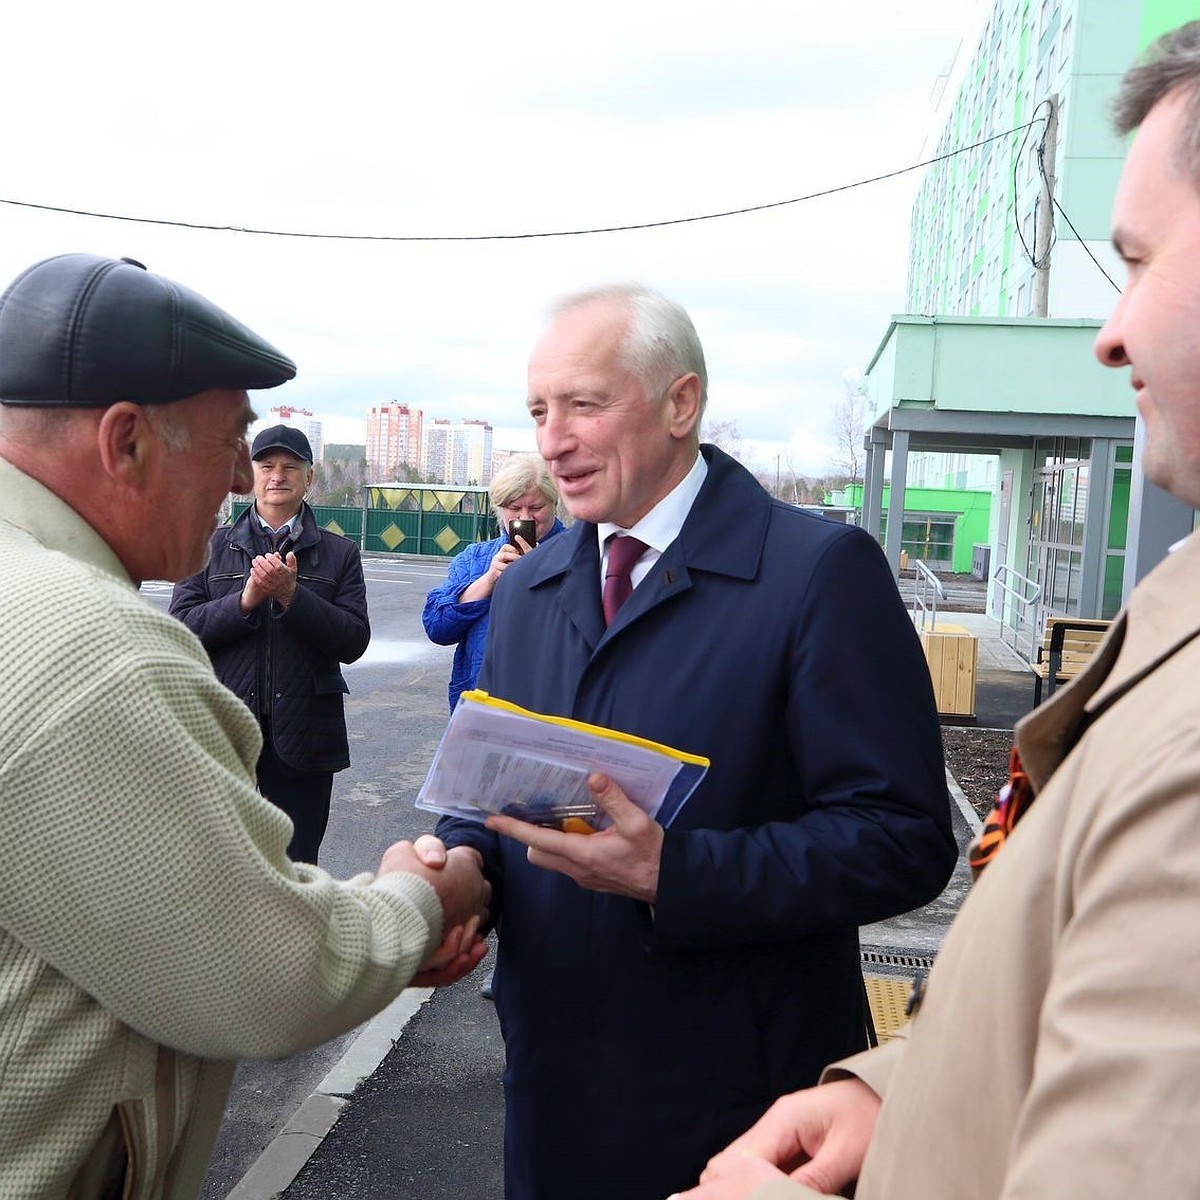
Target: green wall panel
<point>417,530</point>
<point>1161,16</point>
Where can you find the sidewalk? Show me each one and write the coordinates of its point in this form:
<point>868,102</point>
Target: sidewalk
<point>303,1135</point>
<point>1003,679</point>
<point>995,654</point>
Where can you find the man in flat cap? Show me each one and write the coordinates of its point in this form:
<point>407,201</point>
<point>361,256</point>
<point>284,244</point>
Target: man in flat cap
<point>280,605</point>
<point>152,927</point>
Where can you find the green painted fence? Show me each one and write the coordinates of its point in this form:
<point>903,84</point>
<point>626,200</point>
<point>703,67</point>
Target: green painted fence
<point>409,519</point>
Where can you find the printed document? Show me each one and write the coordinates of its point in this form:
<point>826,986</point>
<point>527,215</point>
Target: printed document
<point>498,758</point>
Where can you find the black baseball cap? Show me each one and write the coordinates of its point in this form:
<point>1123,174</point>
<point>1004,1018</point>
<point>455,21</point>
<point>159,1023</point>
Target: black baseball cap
<point>82,331</point>
<point>282,437</point>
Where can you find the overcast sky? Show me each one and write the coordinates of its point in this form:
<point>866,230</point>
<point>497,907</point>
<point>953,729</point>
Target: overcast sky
<point>469,119</point>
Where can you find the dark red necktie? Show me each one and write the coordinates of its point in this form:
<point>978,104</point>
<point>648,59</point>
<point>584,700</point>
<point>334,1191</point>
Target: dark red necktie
<point>623,553</point>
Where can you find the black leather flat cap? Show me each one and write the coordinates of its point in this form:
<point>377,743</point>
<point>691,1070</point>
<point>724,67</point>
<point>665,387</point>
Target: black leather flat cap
<point>83,331</point>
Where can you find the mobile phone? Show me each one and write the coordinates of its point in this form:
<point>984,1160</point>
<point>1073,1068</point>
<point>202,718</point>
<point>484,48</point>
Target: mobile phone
<point>527,530</point>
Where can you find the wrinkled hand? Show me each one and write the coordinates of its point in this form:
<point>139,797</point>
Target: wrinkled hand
<point>819,1137</point>
<point>431,850</point>
<point>622,859</point>
<point>465,894</point>
<point>460,952</point>
<point>741,1177</point>
<point>507,553</point>
<point>482,588</point>
<point>462,949</point>
<point>273,577</point>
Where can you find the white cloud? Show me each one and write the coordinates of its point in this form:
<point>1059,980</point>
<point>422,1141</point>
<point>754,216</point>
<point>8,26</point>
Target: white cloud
<point>478,118</point>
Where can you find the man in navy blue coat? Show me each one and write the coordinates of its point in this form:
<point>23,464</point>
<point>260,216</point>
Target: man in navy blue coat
<point>657,988</point>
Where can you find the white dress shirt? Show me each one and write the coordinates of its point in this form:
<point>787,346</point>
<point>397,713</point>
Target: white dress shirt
<point>660,526</point>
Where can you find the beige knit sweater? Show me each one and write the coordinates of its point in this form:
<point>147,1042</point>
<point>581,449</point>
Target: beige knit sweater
<point>151,928</point>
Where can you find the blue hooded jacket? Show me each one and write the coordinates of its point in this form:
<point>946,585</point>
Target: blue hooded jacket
<point>447,621</point>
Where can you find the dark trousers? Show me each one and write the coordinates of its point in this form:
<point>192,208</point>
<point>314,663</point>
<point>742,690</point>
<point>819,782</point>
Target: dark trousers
<point>302,795</point>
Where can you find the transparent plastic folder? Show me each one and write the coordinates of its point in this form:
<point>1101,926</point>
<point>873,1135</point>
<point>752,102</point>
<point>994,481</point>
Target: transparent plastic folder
<point>496,757</point>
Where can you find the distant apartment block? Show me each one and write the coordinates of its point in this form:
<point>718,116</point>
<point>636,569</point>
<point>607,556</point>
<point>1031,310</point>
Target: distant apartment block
<point>458,453</point>
<point>977,225</point>
<point>500,457</point>
<point>297,418</point>
<point>988,381</point>
<point>394,439</point>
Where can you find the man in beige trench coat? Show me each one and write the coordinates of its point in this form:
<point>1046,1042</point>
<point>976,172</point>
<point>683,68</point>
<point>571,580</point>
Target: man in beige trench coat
<point>1057,1049</point>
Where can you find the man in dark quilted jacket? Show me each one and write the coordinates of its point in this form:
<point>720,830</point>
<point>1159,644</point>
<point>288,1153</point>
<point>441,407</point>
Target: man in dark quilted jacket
<point>280,606</point>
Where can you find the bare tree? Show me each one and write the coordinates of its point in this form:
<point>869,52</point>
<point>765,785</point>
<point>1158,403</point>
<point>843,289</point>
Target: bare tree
<point>724,434</point>
<point>783,483</point>
<point>849,424</point>
<point>339,481</point>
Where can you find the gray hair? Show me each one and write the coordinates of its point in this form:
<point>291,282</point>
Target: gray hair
<point>170,428</point>
<point>1172,62</point>
<point>35,426</point>
<point>520,474</point>
<point>44,426</point>
<point>661,343</point>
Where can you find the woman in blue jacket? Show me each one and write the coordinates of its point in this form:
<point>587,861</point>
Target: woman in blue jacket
<point>456,613</point>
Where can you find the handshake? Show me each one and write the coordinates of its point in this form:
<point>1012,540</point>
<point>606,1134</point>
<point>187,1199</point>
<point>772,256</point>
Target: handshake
<point>457,877</point>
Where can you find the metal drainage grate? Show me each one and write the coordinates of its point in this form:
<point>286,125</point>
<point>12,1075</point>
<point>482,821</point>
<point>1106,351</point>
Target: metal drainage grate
<point>891,958</point>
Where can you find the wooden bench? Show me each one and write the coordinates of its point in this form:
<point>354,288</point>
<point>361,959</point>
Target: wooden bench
<point>1067,647</point>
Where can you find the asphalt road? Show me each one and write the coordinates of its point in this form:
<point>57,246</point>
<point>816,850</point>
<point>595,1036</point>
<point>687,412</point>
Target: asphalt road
<point>396,711</point>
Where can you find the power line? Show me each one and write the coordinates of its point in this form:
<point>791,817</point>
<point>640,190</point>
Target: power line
<point>496,237</point>
<point>1041,162</point>
<point>1063,214</point>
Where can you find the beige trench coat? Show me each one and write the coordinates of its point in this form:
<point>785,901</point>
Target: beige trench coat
<point>1057,1050</point>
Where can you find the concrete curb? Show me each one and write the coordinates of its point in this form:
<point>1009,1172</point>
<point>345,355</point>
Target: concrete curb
<point>299,1139</point>
<point>964,805</point>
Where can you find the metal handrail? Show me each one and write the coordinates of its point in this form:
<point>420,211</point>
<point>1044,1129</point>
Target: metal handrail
<point>924,580</point>
<point>1021,602</point>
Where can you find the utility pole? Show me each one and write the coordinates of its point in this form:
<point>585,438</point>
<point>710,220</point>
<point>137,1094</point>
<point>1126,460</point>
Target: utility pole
<point>1045,214</point>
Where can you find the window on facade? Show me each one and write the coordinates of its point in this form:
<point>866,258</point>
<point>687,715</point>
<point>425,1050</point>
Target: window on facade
<point>1058,521</point>
<point>928,537</point>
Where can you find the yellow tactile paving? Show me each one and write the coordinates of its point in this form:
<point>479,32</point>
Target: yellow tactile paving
<point>888,999</point>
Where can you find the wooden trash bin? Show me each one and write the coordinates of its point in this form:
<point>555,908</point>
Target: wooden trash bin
<point>952,658</point>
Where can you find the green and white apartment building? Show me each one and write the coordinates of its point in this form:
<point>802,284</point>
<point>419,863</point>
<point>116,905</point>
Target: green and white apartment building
<point>989,381</point>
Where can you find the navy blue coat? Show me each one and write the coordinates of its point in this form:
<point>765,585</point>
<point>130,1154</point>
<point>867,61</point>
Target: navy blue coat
<point>449,621</point>
<point>774,642</point>
<point>294,653</point>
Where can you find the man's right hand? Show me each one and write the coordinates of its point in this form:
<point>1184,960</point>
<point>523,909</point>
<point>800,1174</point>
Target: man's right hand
<point>465,895</point>
<point>252,596</point>
<point>819,1137</point>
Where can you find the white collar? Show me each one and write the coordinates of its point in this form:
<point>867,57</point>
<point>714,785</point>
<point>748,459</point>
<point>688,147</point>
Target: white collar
<point>661,525</point>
